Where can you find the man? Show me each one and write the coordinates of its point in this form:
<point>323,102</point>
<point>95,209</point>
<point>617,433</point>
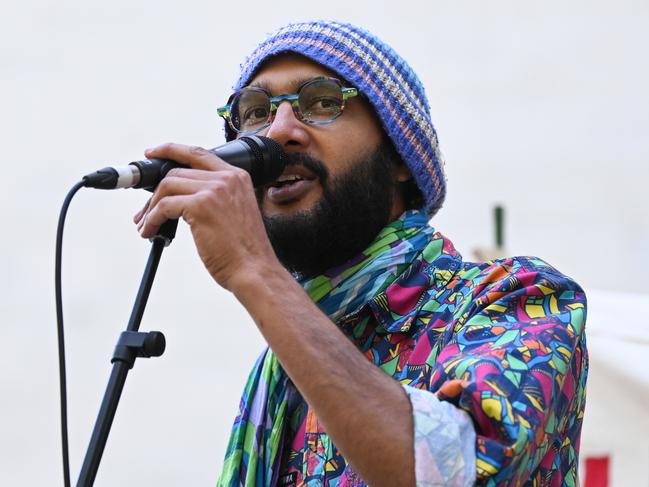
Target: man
<point>392,361</point>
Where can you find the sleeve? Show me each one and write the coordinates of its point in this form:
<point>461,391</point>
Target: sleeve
<point>444,441</point>
<point>514,358</point>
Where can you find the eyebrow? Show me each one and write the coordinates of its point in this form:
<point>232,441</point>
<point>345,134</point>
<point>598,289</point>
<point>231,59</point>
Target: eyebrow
<point>294,83</point>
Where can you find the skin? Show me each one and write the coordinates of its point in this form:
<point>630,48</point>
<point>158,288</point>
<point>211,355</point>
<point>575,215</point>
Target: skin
<point>366,412</point>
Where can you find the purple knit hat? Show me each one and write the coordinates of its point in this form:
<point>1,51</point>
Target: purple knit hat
<point>386,80</point>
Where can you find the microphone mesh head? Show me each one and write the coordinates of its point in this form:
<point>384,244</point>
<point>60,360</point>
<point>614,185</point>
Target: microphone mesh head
<point>275,152</point>
<point>257,152</point>
<point>270,159</point>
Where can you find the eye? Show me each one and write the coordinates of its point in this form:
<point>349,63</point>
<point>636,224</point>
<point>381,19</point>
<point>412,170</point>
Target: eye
<point>255,114</point>
<point>324,104</point>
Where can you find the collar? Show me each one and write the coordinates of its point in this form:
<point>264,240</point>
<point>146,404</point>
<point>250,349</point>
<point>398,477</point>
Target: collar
<point>344,290</point>
<point>397,307</point>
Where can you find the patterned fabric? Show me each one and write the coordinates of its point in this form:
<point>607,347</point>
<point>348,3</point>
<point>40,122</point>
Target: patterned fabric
<point>257,431</point>
<point>444,441</point>
<point>251,457</point>
<point>382,76</point>
<point>444,447</point>
<point>503,341</point>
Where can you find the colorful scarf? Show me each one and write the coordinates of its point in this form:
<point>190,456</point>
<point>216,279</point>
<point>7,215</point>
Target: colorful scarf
<point>253,454</point>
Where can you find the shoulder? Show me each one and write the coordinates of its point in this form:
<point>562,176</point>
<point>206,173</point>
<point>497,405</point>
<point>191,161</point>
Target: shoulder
<point>513,273</point>
<point>515,292</point>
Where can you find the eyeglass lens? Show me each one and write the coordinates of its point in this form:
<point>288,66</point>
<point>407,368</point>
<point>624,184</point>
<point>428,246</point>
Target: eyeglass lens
<point>319,101</point>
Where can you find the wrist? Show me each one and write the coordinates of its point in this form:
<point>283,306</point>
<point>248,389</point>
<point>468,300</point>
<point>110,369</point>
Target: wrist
<point>256,279</point>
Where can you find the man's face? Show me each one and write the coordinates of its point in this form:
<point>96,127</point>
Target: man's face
<point>354,135</point>
<point>338,189</point>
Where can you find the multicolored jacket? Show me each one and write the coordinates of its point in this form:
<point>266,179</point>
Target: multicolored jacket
<point>503,341</point>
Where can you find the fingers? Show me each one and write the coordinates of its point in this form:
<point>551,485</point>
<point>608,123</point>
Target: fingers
<point>169,208</point>
<point>171,183</point>
<point>170,187</point>
<point>185,188</point>
<point>196,174</point>
<point>195,157</point>
<point>138,216</point>
<point>199,189</point>
<point>189,181</point>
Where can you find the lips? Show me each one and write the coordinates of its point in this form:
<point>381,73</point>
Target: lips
<point>293,183</point>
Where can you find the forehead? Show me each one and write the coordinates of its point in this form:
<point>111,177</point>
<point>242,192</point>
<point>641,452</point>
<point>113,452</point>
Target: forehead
<point>286,72</point>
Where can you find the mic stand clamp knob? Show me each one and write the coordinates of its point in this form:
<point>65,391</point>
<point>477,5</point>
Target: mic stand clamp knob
<point>133,344</point>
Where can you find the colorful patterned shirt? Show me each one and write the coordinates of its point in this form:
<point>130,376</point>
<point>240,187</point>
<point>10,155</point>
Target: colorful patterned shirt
<point>500,342</point>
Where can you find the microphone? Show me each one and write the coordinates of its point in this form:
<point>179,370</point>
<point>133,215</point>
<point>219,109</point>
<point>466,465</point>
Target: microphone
<point>262,157</point>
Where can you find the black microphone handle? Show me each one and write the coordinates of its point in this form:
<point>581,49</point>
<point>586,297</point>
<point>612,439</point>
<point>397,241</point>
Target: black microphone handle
<point>261,157</point>
<point>236,153</point>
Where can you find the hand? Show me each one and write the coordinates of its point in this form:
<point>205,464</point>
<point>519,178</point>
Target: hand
<point>218,202</point>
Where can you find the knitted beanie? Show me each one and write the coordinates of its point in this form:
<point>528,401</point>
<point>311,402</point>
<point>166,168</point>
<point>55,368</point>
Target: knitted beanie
<point>382,76</point>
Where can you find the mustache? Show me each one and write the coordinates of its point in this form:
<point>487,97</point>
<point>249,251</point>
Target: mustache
<point>314,165</point>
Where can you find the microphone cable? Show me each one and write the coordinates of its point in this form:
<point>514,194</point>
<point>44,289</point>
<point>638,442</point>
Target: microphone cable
<point>59,328</point>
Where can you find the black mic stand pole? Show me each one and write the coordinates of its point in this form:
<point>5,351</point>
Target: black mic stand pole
<point>131,344</point>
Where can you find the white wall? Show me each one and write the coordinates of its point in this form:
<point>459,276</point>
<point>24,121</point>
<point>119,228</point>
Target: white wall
<point>616,423</point>
<point>540,106</point>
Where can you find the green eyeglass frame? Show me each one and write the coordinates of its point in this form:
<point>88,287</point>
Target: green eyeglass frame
<point>273,103</point>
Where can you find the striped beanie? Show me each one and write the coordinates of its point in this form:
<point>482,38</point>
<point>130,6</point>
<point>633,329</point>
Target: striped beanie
<point>382,76</point>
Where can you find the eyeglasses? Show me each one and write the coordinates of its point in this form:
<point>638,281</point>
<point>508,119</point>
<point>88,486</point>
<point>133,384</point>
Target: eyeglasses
<point>318,101</point>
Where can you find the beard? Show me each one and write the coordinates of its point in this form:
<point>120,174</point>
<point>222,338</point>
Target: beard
<point>355,206</point>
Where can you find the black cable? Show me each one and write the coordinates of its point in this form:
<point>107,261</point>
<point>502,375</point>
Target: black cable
<point>59,327</point>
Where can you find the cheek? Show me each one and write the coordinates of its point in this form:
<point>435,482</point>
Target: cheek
<point>350,147</point>
<point>354,136</point>
<point>359,134</point>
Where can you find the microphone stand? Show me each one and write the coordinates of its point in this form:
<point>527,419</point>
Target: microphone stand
<point>131,344</point>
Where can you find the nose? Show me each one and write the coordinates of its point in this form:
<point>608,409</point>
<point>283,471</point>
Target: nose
<point>287,130</point>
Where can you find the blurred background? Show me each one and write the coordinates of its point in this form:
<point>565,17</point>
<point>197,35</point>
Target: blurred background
<point>541,107</point>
